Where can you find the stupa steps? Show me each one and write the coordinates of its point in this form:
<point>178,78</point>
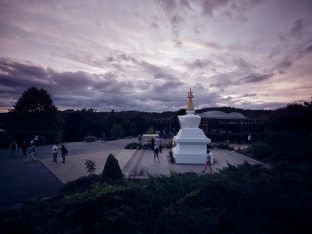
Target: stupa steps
<point>193,135</point>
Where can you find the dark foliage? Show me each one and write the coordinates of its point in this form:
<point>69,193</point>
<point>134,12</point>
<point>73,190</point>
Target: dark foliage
<point>34,114</point>
<point>244,199</point>
<point>112,172</point>
<point>284,146</point>
<point>293,117</point>
<point>80,185</point>
<point>113,125</point>
<point>34,100</point>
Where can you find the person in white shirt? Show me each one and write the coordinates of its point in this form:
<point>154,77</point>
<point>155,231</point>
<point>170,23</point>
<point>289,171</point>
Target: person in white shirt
<point>209,161</point>
<point>54,153</point>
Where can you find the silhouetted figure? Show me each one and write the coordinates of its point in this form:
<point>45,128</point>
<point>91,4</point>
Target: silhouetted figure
<point>30,153</point>
<point>13,148</point>
<point>64,152</point>
<point>159,143</point>
<point>156,152</point>
<point>152,143</point>
<point>32,145</point>
<point>24,149</point>
<point>209,159</point>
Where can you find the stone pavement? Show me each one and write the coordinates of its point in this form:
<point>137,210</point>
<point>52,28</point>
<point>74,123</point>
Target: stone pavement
<point>74,166</point>
<point>138,163</point>
<point>142,163</point>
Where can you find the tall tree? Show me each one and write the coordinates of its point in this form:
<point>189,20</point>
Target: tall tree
<point>35,100</point>
<point>35,114</point>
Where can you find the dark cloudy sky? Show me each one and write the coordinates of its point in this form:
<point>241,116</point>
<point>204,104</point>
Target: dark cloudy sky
<point>145,54</point>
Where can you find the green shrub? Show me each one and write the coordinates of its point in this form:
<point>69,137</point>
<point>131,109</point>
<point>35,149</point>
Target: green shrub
<point>89,139</point>
<point>90,166</point>
<point>284,146</point>
<point>81,184</point>
<point>132,145</point>
<point>261,150</point>
<point>112,172</point>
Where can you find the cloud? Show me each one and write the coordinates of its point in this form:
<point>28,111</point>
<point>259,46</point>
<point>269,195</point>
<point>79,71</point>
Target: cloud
<point>212,45</point>
<point>185,3</point>
<point>173,11</point>
<point>249,95</point>
<point>154,25</point>
<point>242,64</point>
<point>200,63</point>
<point>284,64</point>
<point>100,91</point>
<point>232,10</point>
<point>297,28</point>
<point>308,49</point>
<point>208,6</point>
<point>296,31</point>
<point>251,78</point>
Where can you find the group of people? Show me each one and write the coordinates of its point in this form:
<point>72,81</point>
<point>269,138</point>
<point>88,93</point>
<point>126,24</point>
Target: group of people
<point>56,149</point>
<point>156,147</point>
<point>29,150</point>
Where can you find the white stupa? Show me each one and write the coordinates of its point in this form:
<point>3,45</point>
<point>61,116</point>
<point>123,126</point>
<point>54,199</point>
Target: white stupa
<point>191,141</point>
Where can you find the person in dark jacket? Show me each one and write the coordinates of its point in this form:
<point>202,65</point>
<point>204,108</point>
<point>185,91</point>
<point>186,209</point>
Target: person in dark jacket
<point>64,152</point>
<point>13,148</point>
<point>24,148</point>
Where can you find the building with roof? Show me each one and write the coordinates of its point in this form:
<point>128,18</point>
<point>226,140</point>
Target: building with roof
<point>234,122</point>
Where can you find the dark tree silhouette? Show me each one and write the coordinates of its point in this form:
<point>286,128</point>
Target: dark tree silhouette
<point>35,100</point>
<point>35,114</point>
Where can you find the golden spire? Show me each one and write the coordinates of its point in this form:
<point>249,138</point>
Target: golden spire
<point>190,106</point>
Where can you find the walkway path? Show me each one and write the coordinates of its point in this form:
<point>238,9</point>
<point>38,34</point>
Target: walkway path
<point>142,163</point>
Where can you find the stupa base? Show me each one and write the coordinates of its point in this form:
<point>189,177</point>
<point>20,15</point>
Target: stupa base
<point>188,158</point>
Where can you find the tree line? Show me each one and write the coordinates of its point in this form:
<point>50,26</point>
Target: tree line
<point>34,113</point>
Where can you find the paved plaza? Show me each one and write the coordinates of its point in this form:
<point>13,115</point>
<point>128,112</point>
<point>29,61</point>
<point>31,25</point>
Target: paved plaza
<point>21,181</point>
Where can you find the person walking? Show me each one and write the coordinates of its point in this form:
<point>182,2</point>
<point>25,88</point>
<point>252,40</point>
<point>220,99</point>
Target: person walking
<point>13,148</point>
<point>64,152</point>
<point>54,153</point>
<point>24,149</point>
<point>30,153</point>
<point>156,152</point>
<point>152,143</point>
<point>157,148</point>
<point>32,144</point>
<point>160,145</point>
<point>209,160</point>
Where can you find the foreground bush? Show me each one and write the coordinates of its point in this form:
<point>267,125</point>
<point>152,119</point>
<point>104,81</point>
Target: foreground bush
<point>244,199</point>
<point>81,184</point>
